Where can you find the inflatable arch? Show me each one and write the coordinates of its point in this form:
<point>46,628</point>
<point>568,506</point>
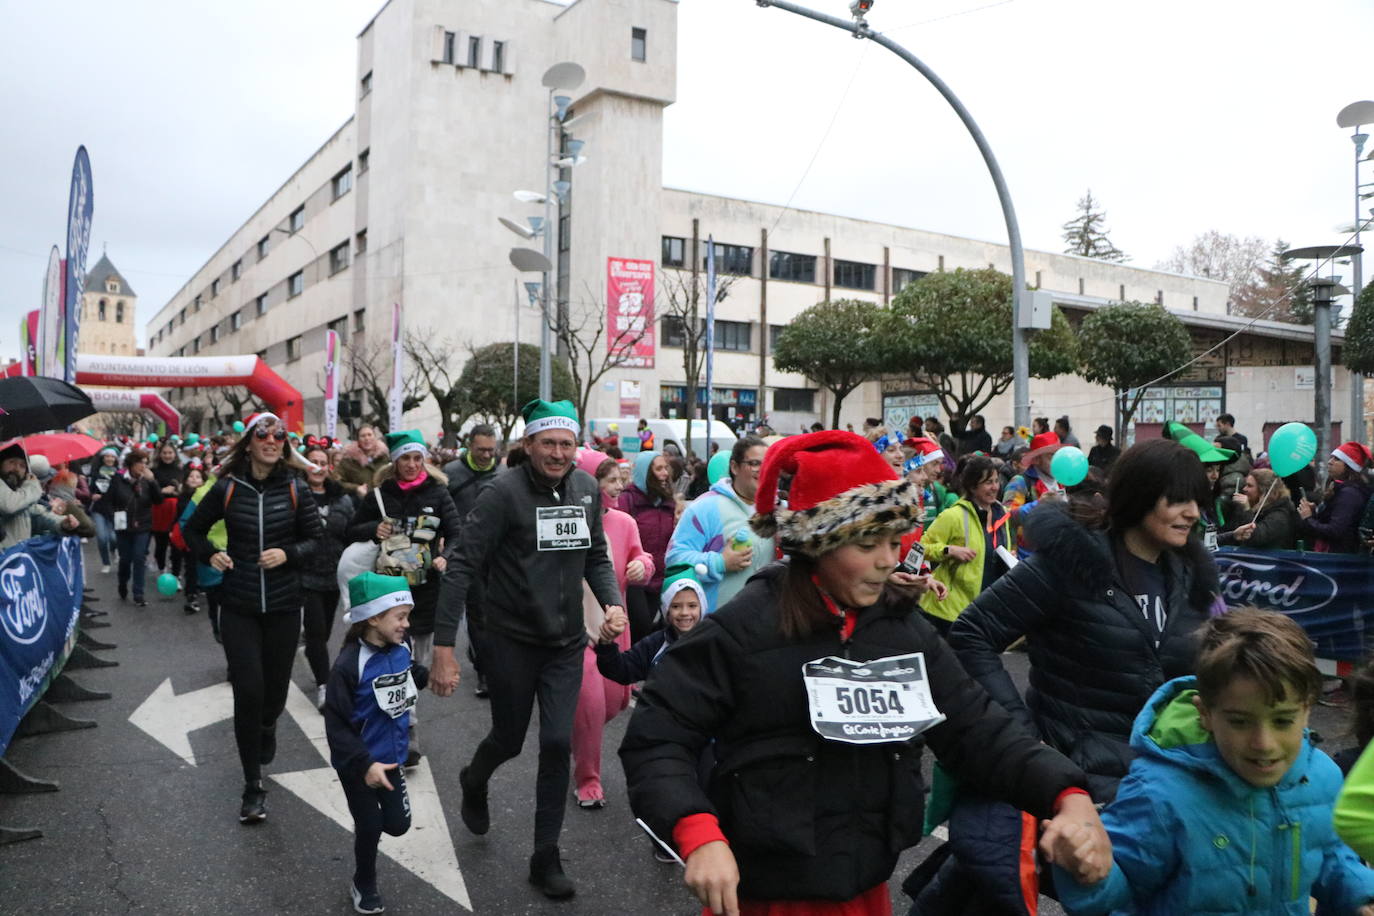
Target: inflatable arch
<point>125,399</point>
<point>196,372</point>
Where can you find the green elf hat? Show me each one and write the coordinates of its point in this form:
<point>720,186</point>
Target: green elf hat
<point>680,576</point>
<point>1205,450</point>
<point>541,415</point>
<point>407,440</point>
<point>370,594</point>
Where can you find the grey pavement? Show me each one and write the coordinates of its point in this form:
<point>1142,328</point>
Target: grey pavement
<point>137,829</point>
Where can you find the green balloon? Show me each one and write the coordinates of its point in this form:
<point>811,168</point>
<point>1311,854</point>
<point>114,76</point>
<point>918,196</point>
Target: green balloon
<point>238,426</point>
<point>1291,447</point>
<point>152,437</point>
<point>193,439</point>
<point>166,584</point>
<point>718,466</point>
<point>1069,466</point>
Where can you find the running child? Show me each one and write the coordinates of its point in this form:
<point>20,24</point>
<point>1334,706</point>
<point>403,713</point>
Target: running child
<point>1227,807</point>
<point>372,688</point>
<point>683,600</point>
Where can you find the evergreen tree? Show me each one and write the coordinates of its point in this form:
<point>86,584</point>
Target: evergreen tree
<point>1086,233</point>
<point>1280,292</point>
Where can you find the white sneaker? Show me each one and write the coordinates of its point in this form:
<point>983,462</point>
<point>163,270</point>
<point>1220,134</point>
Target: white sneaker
<point>319,697</point>
<point>105,570</point>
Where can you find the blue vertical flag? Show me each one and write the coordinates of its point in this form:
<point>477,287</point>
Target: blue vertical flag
<point>710,328</point>
<point>80,207</point>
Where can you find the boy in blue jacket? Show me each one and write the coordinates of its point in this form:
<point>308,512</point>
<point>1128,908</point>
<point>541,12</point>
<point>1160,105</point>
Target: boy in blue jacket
<point>371,691</point>
<point>1227,807</point>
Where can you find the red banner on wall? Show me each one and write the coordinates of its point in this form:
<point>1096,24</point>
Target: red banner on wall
<point>630,312</point>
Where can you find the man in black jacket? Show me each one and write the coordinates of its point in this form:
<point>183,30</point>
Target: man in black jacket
<point>469,475</point>
<point>973,435</point>
<point>534,535</point>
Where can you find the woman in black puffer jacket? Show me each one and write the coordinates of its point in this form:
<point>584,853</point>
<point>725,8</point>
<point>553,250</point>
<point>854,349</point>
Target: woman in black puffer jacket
<point>273,529</point>
<point>319,576</point>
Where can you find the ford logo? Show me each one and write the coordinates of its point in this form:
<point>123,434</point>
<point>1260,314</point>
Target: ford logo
<point>25,610</point>
<point>1276,582</point>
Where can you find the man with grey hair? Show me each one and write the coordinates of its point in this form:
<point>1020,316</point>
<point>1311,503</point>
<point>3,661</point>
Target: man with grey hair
<point>534,535</point>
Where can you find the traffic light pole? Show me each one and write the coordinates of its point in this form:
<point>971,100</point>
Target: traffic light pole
<point>1020,355</point>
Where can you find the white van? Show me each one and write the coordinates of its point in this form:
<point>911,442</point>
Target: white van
<point>666,432</point>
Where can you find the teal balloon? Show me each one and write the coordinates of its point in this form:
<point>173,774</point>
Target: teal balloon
<point>152,437</point>
<point>193,439</point>
<point>1291,447</point>
<point>718,466</point>
<point>166,584</point>
<point>1069,466</point>
<point>238,426</point>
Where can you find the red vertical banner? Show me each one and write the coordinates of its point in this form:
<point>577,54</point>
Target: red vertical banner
<point>28,332</point>
<point>630,312</point>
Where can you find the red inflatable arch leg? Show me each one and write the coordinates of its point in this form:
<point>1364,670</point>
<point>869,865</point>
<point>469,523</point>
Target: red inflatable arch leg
<point>148,401</point>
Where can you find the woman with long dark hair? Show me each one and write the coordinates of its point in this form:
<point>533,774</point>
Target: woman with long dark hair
<point>273,528</point>
<point>817,787</point>
<point>321,585</point>
<point>166,468</point>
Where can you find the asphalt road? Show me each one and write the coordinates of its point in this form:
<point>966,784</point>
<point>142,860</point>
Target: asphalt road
<point>139,828</point>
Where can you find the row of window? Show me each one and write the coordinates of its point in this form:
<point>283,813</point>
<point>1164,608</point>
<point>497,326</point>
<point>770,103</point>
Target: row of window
<point>102,311</point>
<point>475,52</point>
<point>784,265</point>
<point>293,344</point>
<point>790,400</point>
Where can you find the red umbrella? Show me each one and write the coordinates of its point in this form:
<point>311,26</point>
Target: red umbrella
<point>60,447</point>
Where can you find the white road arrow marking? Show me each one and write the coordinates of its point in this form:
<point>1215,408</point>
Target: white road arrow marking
<point>426,850</point>
<point>170,718</point>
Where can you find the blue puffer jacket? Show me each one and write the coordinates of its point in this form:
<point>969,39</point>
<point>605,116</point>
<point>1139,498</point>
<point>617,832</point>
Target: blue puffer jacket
<point>1190,836</point>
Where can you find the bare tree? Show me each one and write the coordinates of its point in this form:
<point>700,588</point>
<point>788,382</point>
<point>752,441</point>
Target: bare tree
<point>368,369</point>
<point>435,362</point>
<point>680,303</point>
<point>593,349</point>
<point>1222,256</point>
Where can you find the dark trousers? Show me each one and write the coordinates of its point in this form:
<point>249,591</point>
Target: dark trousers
<point>516,674</point>
<point>133,560</point>
<point>189,576</point>
<point>641,606</point>
<point>162,542</point>
<point>319,620</point>
<point>212,608</point>
<point>260,649</point>
<point>375,811</point>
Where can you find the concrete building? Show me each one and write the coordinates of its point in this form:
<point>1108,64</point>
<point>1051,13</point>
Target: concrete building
<point>401,205</point>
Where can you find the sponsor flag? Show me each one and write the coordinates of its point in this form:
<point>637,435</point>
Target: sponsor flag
<point>80,207</point>
<point>394,411</point>
<point>50,319</point>
<point>710,328</point>
<point>28,337</point>
<point>331,382</point>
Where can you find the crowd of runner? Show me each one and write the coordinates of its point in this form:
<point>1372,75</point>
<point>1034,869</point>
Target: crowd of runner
<point>793,620</point>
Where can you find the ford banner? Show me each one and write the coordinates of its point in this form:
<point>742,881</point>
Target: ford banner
<point>41,583</point>
<point>1330,595</point>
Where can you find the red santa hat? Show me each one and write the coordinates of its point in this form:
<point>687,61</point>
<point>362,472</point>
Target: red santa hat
<point>927,450</point>
<point>1354,455</point>
<point>842,491</point>
<point>253,419</point>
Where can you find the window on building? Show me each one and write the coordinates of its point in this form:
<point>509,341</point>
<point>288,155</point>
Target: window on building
<point>774,333</point>
<point>343,182</point>
<point>235,322</point>
<point>293,348</point>
<point>674,251</point>
<point>639,40</point>
<point>734,335</point>
<point>498,57</point>
<point>119,312</point>
<point>365,84</point>
<point>195,344</point>
<point>112,285</point>
<point>338,258</point>
<point>474,51</point>
<point>360,321</point>
<point>854,275</point>
<point>673,331</point>
<point>214,291</point>
<point>360,242</point>
<point>297,220</point>
<point>261,305</point>
<point>236,271</point>
<point>182,316</point>
<point>783,265</point>
<point>794,400</point>
<point>262,246</point>
<point>214,333</point>
<point>363,158</point>
<point>195,305</point>
<point>732,259</point>
<point>1159,297</point>
<point>295,284</point>
<point>902,278</point>
<point>100,309</point>
<point>449,40</point>
<point>339,326</point>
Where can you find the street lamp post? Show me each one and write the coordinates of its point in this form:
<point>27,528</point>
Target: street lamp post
<point>1355,115</point>
<point>1021,311</point>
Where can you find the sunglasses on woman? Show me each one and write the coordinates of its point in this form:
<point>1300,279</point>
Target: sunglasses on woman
<point>278,434</point>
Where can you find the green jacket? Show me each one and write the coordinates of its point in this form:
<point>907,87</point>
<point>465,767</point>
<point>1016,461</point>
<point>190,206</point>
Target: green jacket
<point>959,526</point>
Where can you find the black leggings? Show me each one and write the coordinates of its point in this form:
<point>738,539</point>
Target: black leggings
<point>319,620</point>
<point>375,811</point>
<point>516,673</point>
<point>162,542</point>
<point>260,649</point>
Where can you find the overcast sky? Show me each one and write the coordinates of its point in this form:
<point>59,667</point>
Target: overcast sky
<point>1180,116</point>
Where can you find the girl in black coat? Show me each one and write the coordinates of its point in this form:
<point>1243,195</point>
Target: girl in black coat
<point>1334,525</point>
<point>166,468</point>
<point>273,529</point>
<point>818,787</point>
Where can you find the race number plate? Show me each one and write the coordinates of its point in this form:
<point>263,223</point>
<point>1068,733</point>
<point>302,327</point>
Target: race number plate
<point>395,693</point>
<point>1209,538</point>
<point>562,528</point>
<point>875,702</point>
<point>915,559</point>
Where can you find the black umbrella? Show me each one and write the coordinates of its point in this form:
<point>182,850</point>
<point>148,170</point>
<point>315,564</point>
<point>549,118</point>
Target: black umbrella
<point>34,404</point>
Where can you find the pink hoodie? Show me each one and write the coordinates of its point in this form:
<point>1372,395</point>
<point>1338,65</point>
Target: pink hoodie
<point>622,534</point>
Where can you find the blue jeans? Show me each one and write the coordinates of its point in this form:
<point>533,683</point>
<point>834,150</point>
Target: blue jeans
<point>133,558</point>
<point>104,537</point>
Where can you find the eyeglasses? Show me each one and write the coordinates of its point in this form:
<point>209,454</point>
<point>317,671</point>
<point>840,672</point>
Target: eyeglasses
<point>278,434</point>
